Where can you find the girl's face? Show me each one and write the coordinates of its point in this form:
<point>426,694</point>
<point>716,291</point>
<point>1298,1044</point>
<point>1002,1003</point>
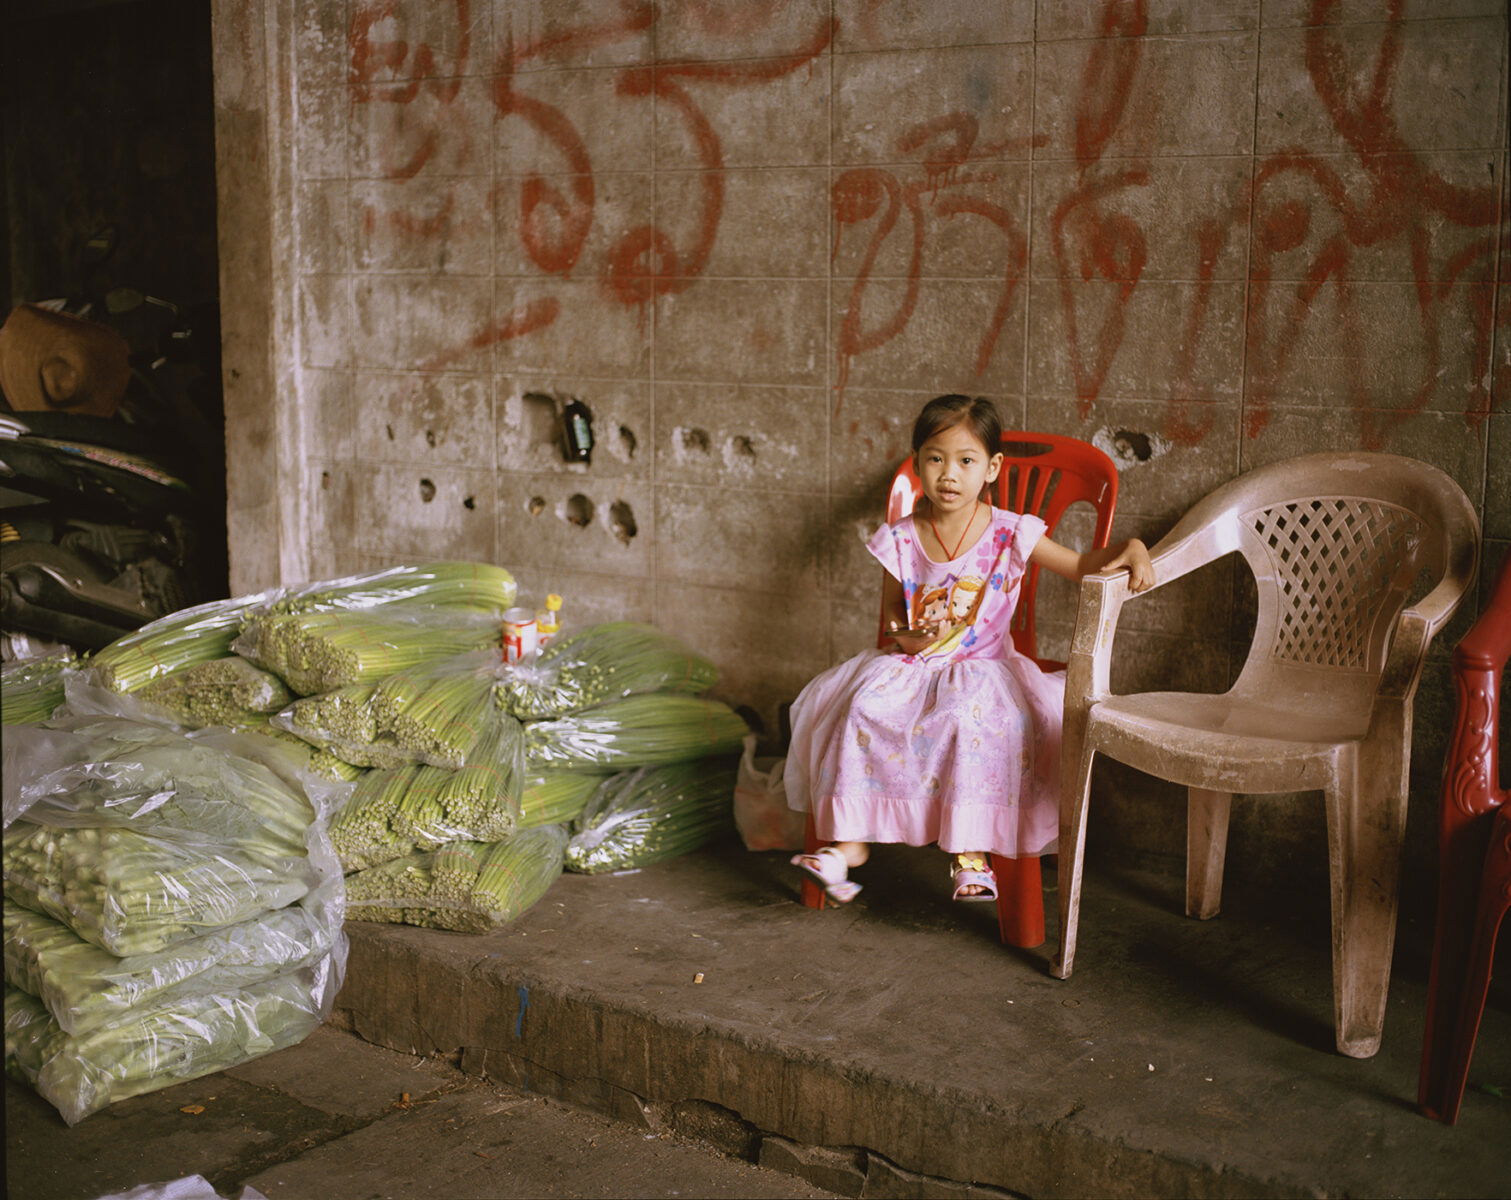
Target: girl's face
<point>954,466</point>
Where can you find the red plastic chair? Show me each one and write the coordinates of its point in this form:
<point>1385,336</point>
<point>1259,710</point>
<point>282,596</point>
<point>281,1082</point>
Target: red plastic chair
<point>1474,863</point>
<point>1043,474</point>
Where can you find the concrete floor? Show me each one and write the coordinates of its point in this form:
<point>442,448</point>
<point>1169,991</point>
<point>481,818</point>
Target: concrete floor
<point>888,1048</point>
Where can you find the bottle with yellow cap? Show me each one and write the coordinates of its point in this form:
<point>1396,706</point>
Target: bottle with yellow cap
<point>548,620</point>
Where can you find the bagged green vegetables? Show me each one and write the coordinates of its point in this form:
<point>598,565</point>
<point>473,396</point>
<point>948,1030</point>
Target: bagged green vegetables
<point>637,731</point>
<point>603,662</point>
<point>155,1046</point>
<point>641,817</point>
<point>30,690</point>
<point>557,798</point>
<point>84,987</point>
<point>468,887</point>
<point>224,691</point>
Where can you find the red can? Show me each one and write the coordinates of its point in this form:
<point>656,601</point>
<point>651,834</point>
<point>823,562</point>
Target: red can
<point>520,634</point>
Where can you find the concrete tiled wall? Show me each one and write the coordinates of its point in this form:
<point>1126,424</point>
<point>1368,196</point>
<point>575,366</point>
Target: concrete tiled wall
<point>754,235</point>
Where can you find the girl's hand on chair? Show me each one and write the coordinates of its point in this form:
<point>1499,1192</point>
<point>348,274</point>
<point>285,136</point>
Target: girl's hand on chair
<point>1134,558</point>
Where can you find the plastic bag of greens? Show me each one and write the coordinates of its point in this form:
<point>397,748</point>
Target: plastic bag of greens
<point>445,712</point>
<point>156,1046</point>
<point>30,690</point>
<point>467,887</point>
<point>343,723</point>
<point>321,650</point>
<point>138,837</point>
<point>641,817</point>
<point>223,691</point>
<point>603,662</point>
<point>83,987</point>
<point>556,798</point>
<point>638,731</point>
<point>171,643</point>
<point>455,585</point>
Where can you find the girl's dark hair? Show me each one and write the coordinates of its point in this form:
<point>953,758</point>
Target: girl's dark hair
<point>945,412</point>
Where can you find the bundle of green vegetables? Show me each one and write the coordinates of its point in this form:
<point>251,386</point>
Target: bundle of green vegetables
<point>456,585</point>
<point>155,1046</point>
<point>557,798</point>
<point>224,691</point>
<point>439,713</point>
<point>30,690</point>
<point>317,760</point>
<point>467,887</point>
<point>638,731</point>
<point>641,817</point>
<point>603,662</point>
<point>171,643</point>
<point>318,651</point>
<point>392,813</point>
<point>84,987</point>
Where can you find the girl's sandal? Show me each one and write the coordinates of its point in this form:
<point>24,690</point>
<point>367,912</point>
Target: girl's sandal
<point>828,866</point>
<point>973,870</point>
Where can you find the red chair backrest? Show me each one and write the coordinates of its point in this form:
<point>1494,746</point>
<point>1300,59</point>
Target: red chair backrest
<point>1043,474</point>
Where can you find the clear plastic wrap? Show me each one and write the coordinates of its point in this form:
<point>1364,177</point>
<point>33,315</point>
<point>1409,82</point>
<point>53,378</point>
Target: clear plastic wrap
<point>439,713</point>
<point>83,987</point>
<point>156,1046</point>
<point>602,663</point>
<point>224,691</point>
<point>466,887</point>
<point>138,836</point>
<point>638,731</point>
<point>557,798</point>
<point>641,817</point>
<point>467,585</point>
<point>171,643</point>
<point>30,690</point>
<point>316,651</point>
<point>392,813</point>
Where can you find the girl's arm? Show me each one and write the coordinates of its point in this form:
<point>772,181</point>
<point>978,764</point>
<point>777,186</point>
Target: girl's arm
<point>1132,556</point>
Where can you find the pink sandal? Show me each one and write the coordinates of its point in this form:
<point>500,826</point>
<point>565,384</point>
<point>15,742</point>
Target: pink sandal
<point>973,870</point>
<point>828,866</point>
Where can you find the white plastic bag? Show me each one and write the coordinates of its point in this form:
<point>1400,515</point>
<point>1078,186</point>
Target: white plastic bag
<point>761,813</point>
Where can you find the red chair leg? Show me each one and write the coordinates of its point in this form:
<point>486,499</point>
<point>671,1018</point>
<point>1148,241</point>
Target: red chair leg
<point>1494,901</point>
<point>813,892</point>
<point>1020,901</point>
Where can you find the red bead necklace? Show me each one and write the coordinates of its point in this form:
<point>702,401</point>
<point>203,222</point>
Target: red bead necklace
<point>954,554</point>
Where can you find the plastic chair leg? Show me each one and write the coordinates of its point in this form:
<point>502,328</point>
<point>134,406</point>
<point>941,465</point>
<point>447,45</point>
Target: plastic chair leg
<point>813,892</point>
<point>1020,901</point>
<point>1494,901</point>
<point>1206,848</point>
<point>1075,793</point>
<point>1365,851</point>
<point>1462,852</point>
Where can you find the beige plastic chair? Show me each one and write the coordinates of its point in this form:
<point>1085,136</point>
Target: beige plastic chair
<point>1335,542</point>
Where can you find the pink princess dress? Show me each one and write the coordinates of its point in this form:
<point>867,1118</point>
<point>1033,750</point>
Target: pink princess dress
<point>958,744</point>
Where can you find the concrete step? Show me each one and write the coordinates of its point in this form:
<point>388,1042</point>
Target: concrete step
<point>892,1046</point>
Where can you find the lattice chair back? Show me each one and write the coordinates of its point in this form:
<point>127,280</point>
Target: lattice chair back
<point>1043,474</point>
<point>1336,543</point>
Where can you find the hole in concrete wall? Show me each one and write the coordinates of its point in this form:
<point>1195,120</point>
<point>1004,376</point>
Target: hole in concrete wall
<point>742,446</point>
<point>542,420</point>
<point>695,440</point>
<point>469,503</point>
<point>427,490</point>
<point>622,521</point>
<point>535,505</point>
<point>430,437</point>
<point>579,510</point>
<point>1133,445</point>
<point>325,480</point>
<point>628,441</point>
<point>388,429</point>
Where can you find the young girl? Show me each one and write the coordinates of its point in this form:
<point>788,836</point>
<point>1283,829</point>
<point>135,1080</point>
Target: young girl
<point>951,736</point>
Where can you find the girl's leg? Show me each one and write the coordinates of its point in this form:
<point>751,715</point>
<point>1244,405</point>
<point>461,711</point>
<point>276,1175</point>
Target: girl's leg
<point>831,864</point>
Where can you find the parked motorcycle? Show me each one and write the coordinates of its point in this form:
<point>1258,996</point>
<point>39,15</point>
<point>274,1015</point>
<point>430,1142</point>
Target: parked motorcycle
<point>110,471</point>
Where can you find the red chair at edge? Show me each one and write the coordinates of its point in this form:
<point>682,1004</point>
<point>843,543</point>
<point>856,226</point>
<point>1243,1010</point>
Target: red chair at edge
<point>1474,862</point>
<point>1043,474</point>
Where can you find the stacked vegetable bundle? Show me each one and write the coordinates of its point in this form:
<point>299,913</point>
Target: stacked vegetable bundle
<point>177,906</point>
